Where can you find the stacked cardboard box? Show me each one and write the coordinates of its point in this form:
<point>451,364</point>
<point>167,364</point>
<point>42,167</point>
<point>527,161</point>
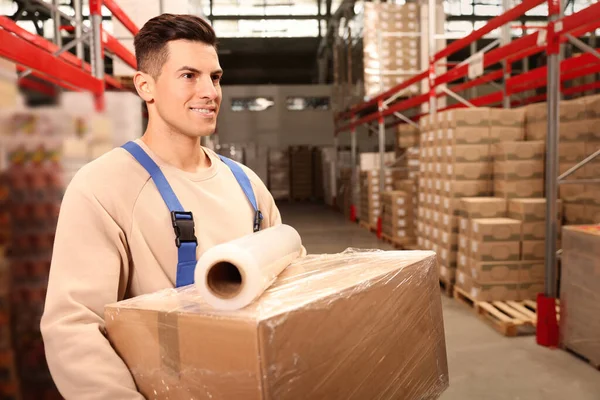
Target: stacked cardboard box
<point>390,59</point>
<point>472,208</point>
<point>370,203</point>
<point>495,271</point>
<point>519,169</point>
<point>407,136</point>
<point>580,137</point>
<point>9,91</point>
<point>279,174</point>
<point>344,191</point>
<point>397,216</point>
<point>580,291</point>
<point>532,214</point>
<point>301,175</point>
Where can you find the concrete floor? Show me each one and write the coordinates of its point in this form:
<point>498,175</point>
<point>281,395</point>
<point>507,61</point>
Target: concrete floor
<point>483,364</point>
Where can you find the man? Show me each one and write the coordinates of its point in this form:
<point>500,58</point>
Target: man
<point>121,232</point>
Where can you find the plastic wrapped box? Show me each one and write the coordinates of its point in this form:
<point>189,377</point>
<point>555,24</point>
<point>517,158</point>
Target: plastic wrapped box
<point>354,325</point>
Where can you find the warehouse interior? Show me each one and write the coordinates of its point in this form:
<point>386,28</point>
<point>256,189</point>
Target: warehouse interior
<point>438,160</point>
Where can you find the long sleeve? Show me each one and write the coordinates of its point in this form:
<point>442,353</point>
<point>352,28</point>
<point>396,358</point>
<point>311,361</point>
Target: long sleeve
<point>90,268</point>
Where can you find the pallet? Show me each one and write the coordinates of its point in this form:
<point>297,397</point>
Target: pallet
<point>510,318</point>
<point>594,364</point>
<point>397,243</point>
<point>447,287</point>
<point>368,226</point>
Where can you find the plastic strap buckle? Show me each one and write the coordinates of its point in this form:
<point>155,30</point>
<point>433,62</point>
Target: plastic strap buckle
<point>258,217</point>
<point>183,224</point>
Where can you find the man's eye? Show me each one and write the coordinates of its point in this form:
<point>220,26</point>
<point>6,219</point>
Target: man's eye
<point>187,75</point>
<point>216,78</point>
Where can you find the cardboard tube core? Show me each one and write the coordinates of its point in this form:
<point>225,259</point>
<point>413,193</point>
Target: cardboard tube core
<point>224,280</point>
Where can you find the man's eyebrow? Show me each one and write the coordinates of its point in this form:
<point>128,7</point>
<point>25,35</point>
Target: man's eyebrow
<point>191,69</point>
<point>217,71</point>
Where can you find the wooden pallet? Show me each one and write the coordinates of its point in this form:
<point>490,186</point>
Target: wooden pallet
<point>368,226</point>
<point>594,364</point>
<point>396,242</point>
<point>510,318</point>
<point>447,287</point>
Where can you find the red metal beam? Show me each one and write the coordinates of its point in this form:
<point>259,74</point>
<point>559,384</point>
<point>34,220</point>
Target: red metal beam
<point>383,96</point>
<point>121,16</point>
<point>492,76</point>
<point>30,55</point>
<point>37,86</point>
<point>119,50</point>
<point>48,78</point>
<point>39,41</point>
<point>496,22</point>
<point>112,82</point>
<point>582,88</point>
<point>582,21</point>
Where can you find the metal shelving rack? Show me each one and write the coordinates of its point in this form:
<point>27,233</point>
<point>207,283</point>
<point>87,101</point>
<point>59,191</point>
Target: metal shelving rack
<point>53,62</point>
<point>559,29</point>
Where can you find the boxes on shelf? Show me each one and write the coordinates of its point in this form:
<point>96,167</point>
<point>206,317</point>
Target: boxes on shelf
<point>580,291</point>
<point>519,169</point>
<point>388,60</point>
<point>279,174</point>
<point>370,201</point>
<point>369,298</point>
<point>407,136</point>
<point>397,215</point>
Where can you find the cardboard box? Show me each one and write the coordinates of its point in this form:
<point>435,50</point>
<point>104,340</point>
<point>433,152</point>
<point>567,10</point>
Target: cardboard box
<point>245,353</point>
<point>495,251</point>
<point>456,189</point>
<point>499,291</point>
<point>572,110</point>
<point>519,151</point>
<point>467,135</point>
<point>536,112</point>
<point>580,291</point>
<point>519,188</point>
<point>571,193</point>
<point>506,134</point>
<point>466,153</point>
<point>592,104</point>
<point>572,152</point>
<point>531,210</point>
<point>576,131</point>
<point>469,171</point>
<point>534,230</point>
<point>482,207</point>
<point>533,250</point>
<point>447,274</point>
<point>575,214</point>
<point>495,230</point>
<point>536,131</point>
<point>507,117</point>
<point>507,272</point>
<point>518,170</point>
<point>469,117</point>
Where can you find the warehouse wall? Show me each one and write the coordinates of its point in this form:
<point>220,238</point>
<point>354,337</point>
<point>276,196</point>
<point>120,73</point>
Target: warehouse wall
<point>278,127</point>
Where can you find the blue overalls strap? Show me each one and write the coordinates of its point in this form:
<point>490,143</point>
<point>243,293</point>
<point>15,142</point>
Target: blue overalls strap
<point>246,186</point>
<point>183,221</point>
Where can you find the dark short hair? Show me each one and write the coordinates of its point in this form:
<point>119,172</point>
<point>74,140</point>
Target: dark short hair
<point>150,43</point>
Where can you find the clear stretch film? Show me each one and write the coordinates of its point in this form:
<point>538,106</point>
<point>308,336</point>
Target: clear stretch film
<point>232,275</point>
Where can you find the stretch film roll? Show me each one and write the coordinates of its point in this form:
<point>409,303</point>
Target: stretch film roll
<point>232,275</point>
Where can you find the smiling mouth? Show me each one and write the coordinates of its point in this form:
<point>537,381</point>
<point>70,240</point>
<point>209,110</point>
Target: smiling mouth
<point>204,111</point>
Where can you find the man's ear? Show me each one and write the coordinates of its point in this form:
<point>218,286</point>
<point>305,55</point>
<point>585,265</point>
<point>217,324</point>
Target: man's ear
<point>144,84</point>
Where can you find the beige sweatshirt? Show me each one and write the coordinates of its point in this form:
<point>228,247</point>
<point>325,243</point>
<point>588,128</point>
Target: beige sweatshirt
<point>115,240</point>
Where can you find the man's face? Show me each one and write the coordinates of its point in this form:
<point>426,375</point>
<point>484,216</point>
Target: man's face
<point>187,93</point>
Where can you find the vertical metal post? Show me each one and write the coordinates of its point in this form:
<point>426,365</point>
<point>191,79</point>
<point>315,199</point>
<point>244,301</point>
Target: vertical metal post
<point>56,20</point>
<point>336,171</point>
<point>552,157</point>
<point>505,39</point>
<point>78,28</point>
<point>381,138</point>
<point>473,48</point>
<point>525,62</point>
<point>432,23</point>
<point>353,160</point>
<point>547,326</point>
<point>97,53</point>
